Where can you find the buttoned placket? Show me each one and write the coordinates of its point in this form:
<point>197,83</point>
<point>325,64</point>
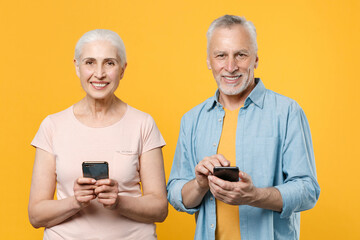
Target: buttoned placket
<point>219,117</point>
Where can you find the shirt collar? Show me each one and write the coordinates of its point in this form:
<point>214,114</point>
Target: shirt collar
<point>256,96</point>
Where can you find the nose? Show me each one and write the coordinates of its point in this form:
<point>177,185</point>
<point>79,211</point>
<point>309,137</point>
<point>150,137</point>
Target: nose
<point>231,65</point>
<point>99,72</point>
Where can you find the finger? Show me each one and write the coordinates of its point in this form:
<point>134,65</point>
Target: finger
<point>107,195</point>
<point>101,182</point>
<point>84,199</point>
<point>78,187</point>
<point>202,169</point>
<point>224,185</point>
<point>108,203</point>
<point>84,193</point>
<point>215,163</point>
<point>106,189</point>
<point>217,191</point>
<point>82,181</point>
<point>223,161</point>
<point>109,182</point>
<point>100,189</point>
<point>244,177</point>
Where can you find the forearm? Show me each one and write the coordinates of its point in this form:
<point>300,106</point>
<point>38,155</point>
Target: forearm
<point>268,198</point>
<point>48,213</point>
<point>146,209</point>
<point>192,194</point>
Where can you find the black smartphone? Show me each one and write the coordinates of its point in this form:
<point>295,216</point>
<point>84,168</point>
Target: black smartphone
<point>230,174</point>
<point>96,170</point>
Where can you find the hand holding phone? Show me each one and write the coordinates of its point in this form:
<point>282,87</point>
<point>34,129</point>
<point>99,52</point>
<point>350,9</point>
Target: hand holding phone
<point>96,170</point>
<point>230,174</point>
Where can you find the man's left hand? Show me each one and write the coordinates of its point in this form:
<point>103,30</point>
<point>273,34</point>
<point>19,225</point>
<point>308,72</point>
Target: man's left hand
<point>235,193</point>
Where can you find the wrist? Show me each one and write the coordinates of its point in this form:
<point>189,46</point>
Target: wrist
<point>257,197</point>
<point>116,205</point>
<point>199,188</point>
<point>75,204</point>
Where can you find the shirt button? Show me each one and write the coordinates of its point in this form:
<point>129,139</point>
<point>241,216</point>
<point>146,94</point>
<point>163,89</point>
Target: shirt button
<point>214,144</point>
<point>219,119</point>
<point>211,198</point>
<point>212,225</point>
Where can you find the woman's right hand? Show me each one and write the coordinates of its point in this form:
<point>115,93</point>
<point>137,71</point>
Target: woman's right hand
<point>84,191</point>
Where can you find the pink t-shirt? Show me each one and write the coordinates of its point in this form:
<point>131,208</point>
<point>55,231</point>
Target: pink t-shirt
<point>121,145</point>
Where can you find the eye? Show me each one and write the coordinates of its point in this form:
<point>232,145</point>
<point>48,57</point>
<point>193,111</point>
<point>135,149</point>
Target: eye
<point>220,55</point>
<point>89,62</point>
<point>110,63</point>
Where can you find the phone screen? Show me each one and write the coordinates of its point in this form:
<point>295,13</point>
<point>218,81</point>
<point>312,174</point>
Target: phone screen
<point>230,174</point>
<point>96,170</point>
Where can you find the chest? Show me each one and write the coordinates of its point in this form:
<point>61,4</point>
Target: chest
<point>119,147</point>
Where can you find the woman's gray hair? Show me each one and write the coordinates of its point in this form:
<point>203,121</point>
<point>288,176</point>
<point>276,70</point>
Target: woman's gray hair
<point>228,21</point>
<point>102,34</point>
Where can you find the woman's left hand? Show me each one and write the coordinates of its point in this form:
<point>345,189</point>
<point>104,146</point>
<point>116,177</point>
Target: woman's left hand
<point>107,192</point>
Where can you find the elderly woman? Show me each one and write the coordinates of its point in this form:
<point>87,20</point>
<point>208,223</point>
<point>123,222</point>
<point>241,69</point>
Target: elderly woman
<point>100,127</point>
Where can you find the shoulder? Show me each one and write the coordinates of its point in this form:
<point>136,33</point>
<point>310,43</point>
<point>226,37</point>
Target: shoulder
<point>61,116</point>
<point>54,119</point>
<point>199,110</point>
<point>136,116</point>
<point>280,103</point>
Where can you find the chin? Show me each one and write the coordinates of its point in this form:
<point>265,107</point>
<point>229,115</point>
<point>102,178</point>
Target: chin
<point>99,96</point>
<point>234,89</point>
<point>231,92</point>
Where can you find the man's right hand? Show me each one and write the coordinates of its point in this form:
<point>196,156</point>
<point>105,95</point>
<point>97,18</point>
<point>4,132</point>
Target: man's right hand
<point>205,168</point>
<point>194,190</point>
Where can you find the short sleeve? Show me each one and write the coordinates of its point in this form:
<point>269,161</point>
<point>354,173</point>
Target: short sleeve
<point>151,136</point>
<point>44,136</point>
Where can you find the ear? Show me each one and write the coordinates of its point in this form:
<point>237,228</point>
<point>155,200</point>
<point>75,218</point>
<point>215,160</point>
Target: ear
<point>208,63</point>
<point>123,71</point>
<point>77,68</point>
<point>256,61</point>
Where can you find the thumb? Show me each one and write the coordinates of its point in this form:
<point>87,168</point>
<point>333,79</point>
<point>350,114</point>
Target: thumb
<point>244,177</point>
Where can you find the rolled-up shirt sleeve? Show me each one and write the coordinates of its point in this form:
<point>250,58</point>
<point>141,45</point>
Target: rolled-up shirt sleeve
<point>183,169</point>
<point>300,190</point>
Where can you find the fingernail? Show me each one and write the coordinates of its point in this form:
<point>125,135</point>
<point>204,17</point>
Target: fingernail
<point>93,181</point>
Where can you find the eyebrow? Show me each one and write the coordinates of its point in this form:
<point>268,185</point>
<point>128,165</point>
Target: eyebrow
<point>105,59</point>
<point>226,52</point>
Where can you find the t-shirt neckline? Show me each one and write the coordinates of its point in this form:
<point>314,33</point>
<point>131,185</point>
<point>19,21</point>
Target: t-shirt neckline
<point>78,122</point>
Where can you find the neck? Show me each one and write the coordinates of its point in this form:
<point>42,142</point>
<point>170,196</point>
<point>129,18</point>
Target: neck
<point>230,102</point>
<point>99,107</point>
<point>233,102</point>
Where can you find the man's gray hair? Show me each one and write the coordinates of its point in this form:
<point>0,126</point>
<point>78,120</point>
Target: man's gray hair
<point>228,21</point>
<point>102,34</point>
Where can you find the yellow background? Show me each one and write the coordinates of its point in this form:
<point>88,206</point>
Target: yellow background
<point>308,50</point>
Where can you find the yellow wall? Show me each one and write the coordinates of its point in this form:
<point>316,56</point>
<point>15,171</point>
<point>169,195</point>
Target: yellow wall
<point>309,51</point>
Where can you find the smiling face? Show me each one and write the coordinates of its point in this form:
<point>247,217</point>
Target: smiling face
<point>232,59</point>
<point>99,69</point>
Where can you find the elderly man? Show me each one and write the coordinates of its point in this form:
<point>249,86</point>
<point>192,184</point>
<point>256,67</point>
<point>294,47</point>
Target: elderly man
<point>264,133</point>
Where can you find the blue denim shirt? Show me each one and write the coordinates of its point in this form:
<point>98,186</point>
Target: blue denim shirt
<point>273,146</point>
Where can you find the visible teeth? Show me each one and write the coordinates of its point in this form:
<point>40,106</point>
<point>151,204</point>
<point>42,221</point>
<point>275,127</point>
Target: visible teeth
<point>99,84</point>
<point>232,78</point>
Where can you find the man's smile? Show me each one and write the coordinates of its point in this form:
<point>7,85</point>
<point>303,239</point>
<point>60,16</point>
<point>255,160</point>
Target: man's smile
<point>232,78</point>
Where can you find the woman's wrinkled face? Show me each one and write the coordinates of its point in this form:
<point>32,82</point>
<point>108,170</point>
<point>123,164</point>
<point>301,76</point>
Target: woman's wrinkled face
<point>99,69</point>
